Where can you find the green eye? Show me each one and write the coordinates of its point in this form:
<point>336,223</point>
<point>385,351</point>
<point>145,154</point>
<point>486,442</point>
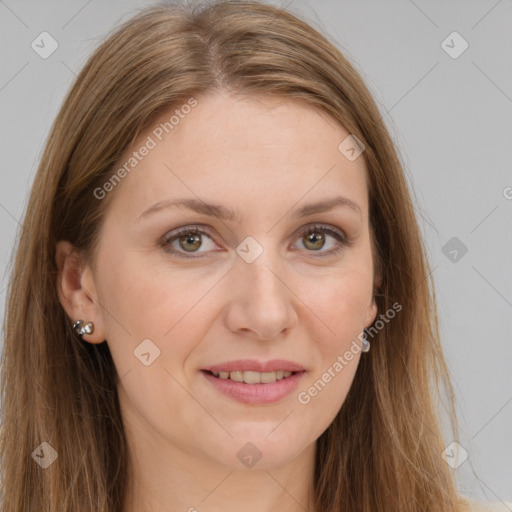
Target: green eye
<point>190,242</point>
<point>316,239</point>
<point>186,241</point>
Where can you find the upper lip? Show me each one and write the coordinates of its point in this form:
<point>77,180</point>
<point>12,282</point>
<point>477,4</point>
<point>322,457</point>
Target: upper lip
<point>252,365</point>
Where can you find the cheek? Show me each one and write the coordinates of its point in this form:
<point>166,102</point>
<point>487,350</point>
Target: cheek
<point>337,311</point>
<point>338,304</point>
<point>143,300</point>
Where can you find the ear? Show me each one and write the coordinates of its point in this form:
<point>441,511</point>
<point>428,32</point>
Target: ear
<point>377,282</point>
<point>77,292</point>
<point>371,313</point>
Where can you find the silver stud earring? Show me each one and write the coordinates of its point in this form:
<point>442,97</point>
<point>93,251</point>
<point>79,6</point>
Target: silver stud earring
<point>80,328</point>
<point>366,344</point>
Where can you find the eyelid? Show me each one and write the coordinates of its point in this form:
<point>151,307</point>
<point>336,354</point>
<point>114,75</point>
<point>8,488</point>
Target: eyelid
<point>339,234</point>
<point>343,240</point>
<point>176,233</point>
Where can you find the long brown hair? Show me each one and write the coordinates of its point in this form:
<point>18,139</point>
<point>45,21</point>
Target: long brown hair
<point>383,451</point>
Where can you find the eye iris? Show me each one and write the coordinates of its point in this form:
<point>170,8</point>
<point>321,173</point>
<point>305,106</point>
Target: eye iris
<point>314,238</point>
<point>192,238</point>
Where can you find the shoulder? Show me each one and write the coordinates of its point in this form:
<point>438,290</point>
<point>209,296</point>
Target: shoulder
<point>476,505</point>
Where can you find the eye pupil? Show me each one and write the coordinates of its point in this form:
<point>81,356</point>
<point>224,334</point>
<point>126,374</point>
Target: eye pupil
<point>193,238</point>
<point>314,238</point>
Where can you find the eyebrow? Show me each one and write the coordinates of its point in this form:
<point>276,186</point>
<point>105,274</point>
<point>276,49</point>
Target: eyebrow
<point>225,213</point>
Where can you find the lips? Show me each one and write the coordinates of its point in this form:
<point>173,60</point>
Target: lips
<point>251,365</point>
<point>255,382</point>
<point>250,377</point>
<point>255,393</point>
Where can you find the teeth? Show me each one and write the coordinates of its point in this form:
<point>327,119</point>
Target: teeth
<point>250,377</point>
<point>237,376</point>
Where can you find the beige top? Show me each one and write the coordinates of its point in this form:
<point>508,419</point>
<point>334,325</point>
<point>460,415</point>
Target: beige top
<point>484,506</point>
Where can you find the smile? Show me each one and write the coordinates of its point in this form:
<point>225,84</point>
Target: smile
<point>250,377</point>
<point>254,388</point>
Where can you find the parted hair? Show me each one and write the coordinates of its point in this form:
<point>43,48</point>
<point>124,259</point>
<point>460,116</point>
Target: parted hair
<point>383,450</point>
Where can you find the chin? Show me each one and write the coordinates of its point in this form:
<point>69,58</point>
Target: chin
<point>259,453</point>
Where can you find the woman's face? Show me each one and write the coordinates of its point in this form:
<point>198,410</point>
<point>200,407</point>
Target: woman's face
<point>252,286</point>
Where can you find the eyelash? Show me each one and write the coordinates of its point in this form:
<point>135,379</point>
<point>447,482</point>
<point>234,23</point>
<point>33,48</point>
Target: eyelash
<point>203,230</point>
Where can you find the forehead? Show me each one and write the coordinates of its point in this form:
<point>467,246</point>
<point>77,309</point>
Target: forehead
<point>236,148</point>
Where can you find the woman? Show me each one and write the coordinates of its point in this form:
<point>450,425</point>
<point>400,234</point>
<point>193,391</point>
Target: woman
<point>220,299</point>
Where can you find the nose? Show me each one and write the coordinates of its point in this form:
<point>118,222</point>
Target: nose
<point>262,302</point>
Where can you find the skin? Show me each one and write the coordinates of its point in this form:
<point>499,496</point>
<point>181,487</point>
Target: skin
<point>264,158</point>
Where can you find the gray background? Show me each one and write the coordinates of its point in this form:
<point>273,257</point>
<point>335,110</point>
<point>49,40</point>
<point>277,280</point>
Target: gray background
<point>450,117</point>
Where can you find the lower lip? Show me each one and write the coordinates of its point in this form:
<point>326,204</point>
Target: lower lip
<point>255,394</point>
